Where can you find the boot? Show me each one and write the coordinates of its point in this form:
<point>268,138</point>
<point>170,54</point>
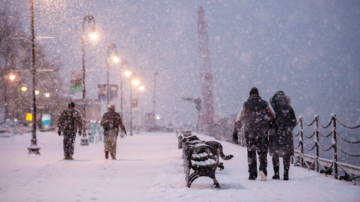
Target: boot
<point>276,171</point>
<point>66,158</point>
<point>106,154</point>
<point>252,176</point>
<point>70,158</point>
<point>286,174</point>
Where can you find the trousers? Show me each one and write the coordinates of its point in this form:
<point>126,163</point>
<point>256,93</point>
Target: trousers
<point>259,146</point>
<point>110,145</point>
<point>286,160</point>
<point>69,141</point>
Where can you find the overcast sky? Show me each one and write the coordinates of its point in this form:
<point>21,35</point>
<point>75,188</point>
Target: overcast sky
<point>310,49</point>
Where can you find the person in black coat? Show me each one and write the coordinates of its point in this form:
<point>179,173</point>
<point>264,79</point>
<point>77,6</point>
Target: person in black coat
<point>256,118</point>
<point>281,141</point>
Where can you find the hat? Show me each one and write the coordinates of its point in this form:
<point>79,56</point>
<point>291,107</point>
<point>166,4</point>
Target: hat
<point>111,107</point>
<point>71,105</point>
<point>254,91</point>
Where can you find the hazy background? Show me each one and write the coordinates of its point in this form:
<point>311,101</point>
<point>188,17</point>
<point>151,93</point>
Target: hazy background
<point>310,49</point>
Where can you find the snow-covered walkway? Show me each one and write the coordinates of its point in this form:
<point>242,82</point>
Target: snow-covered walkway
<point>148,168</point>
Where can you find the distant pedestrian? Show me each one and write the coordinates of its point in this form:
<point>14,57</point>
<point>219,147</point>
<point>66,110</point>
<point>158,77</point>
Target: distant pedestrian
<point>256,118</point>
<point>281,142</point>
<point>111,121</point>
<point>69,123</point>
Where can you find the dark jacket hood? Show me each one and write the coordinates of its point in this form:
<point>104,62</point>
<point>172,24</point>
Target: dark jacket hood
<point>279,99</point>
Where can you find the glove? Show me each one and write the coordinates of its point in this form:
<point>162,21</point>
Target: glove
<point>80,133</point>
<point>235,138</point>
<point>59,132</point>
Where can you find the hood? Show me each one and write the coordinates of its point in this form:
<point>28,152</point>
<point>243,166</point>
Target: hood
<point>279,99</point>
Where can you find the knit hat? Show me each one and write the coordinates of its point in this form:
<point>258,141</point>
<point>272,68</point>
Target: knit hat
<point>254,91</point>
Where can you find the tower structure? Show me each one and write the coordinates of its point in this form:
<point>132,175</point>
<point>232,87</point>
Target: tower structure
<point>207,114</point>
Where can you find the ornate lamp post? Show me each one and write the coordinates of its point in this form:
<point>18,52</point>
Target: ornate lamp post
<point>154,100</point>
<point>33,149</point>
<point>89,19</point>
<point>115,59</point>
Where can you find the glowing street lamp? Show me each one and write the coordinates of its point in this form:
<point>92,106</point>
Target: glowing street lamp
<point>127,73</point>
<point>12,77</point>
<point>24,88</point>
<point>116,59</point>
<point>93,35</point>
<point>136,82</point>
<point>47,95</point>
<point>37,92</point>
<point>141,88</point>
<point>157,117</point>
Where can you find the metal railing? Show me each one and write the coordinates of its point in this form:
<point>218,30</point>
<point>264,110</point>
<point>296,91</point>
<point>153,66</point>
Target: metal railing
<point>323,165</point>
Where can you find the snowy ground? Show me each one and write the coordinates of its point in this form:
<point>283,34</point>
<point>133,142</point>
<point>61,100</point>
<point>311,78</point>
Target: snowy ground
<point>148,168</point>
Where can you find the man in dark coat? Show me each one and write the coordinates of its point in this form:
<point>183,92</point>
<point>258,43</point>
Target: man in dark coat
<point>256,118</point>
<point>111,121</point>
<point>69,122</point>
<point>281,142</point>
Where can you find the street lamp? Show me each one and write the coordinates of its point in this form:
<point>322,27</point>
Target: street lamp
<point>141,88</point>
<point>47,95</point>
<point>12,77</point>
<point>37,92</point>
<point>115,59</point>
<point>24,88</point>
<point>127,73</point>
<point>135,82</point>
<point>33,149</point>
<point>155,74</point>
<point>121,89</point>
<point>93,35</point>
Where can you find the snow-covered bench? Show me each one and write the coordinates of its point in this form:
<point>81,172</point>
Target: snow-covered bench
<point>181,135</point>
<point>203,160</point>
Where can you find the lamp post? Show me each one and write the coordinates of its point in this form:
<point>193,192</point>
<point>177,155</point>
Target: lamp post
<point>155,74</point>
<point>121,91</point>
<point>89,19</point>
<point>115,59</point>
<point>11,77</point>
<point>33,149</point>
<point>135,82</point>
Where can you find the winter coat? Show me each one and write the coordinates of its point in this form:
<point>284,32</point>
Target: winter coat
<point>111,121</point>
<point>70,121</point>
<point>281,142</point>
<point>256,118</point>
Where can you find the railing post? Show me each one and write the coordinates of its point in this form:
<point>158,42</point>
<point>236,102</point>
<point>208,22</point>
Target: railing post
<point>301,141</point>
<point>317,143</point>
<point>334,144</point>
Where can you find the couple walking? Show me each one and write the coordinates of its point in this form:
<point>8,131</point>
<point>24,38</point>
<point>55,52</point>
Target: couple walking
<point>70,121</point>
<point>265,131</point>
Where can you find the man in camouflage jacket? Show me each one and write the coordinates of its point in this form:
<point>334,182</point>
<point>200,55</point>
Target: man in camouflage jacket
<point>70,121</point>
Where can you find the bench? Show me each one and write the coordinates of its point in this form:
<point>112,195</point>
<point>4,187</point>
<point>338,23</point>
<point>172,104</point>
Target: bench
<point>203,160</point>
<point>180,135</point>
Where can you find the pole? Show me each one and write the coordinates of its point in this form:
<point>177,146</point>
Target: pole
<point>334,146</point>
<point>121,99</point>
<point>107,81</point>
<point>33,149</point>
<point>5,98</point>
<point>317,168</point>
<point>84,141</point>
<point>301,141</point>
<point>154,101</point>
<point>131,133</point>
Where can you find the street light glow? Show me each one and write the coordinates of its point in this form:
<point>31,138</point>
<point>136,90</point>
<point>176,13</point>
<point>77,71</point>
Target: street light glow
<point>127,73</point>
<point>12,77</point>
<point>116,59</point>
<point>136,82</point>
<point>37,92</point>
<point>24,88</point>
<point>47,94</point>
<point>93,35</point>
<point>141,88</point>
<point>157,117</point>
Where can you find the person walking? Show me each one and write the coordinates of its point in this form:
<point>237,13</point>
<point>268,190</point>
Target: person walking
<point>256,118</point>
<point>69,123</point>
<point>111,121</point>
<point>281,141</point>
